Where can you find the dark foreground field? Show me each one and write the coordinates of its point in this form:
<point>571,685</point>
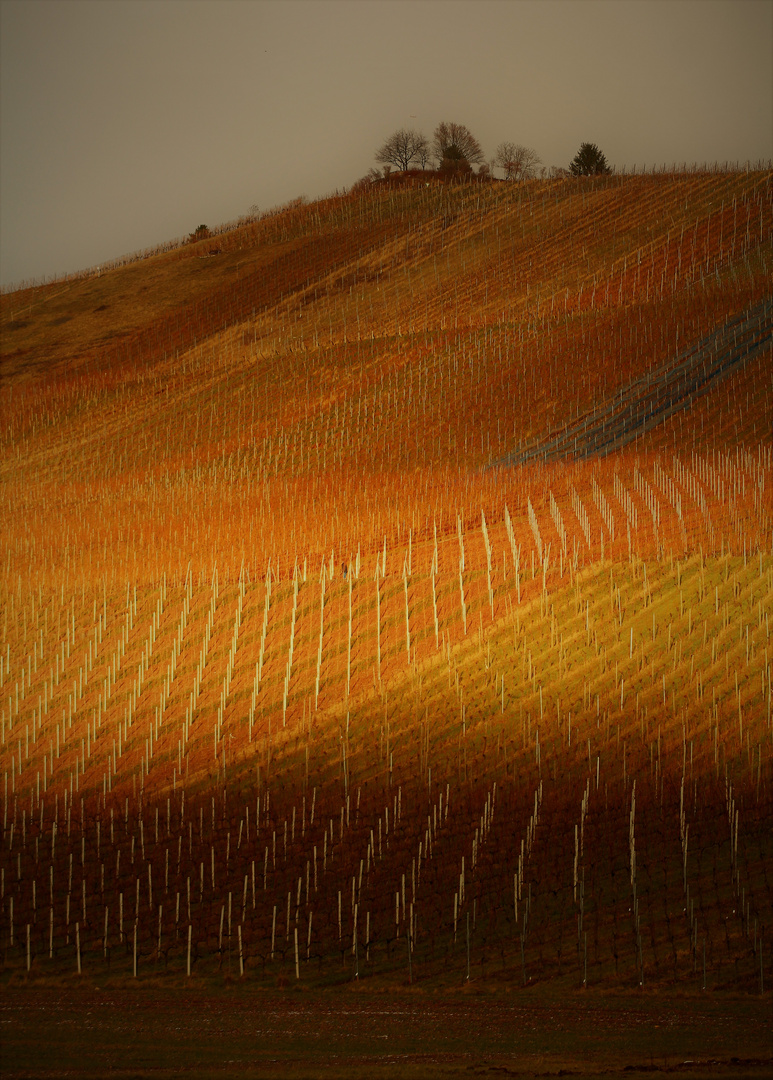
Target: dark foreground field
<point>91,1031</point>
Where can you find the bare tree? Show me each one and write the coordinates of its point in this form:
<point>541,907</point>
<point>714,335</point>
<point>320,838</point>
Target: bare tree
<point>402,148</point>
<point>455,143</point>
<point>423,153</point>
<point>516,161</point>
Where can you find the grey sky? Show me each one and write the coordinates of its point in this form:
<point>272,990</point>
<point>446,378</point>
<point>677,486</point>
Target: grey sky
<point>123,124</point>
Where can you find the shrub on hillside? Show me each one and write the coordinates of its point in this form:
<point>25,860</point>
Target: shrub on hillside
<point>200,233</point>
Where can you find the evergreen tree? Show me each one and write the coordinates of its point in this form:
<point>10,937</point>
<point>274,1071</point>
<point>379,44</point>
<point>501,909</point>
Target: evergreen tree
<point>589,161</point>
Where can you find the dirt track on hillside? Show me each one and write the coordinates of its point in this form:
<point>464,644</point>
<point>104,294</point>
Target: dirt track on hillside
<point>653,398</point>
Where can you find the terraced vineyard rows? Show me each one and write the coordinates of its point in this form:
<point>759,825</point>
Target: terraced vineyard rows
<point>293,686</point>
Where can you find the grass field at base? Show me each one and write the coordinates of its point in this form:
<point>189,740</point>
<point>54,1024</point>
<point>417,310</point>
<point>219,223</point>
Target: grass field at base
<point>151,1031</point>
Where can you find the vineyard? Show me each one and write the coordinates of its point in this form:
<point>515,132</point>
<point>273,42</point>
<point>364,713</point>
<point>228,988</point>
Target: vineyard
<point>386,597</point>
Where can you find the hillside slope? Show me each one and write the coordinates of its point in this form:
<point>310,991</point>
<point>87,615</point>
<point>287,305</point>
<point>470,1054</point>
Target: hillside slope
<point>341,622</point>
<point>428,330</point>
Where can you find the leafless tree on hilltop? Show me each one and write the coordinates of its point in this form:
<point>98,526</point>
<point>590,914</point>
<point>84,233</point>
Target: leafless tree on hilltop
<point>455,142</point>
<point>403,147</point>
<point>516,161</point>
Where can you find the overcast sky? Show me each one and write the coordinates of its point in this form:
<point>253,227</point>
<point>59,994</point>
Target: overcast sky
<point>124,123</point>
